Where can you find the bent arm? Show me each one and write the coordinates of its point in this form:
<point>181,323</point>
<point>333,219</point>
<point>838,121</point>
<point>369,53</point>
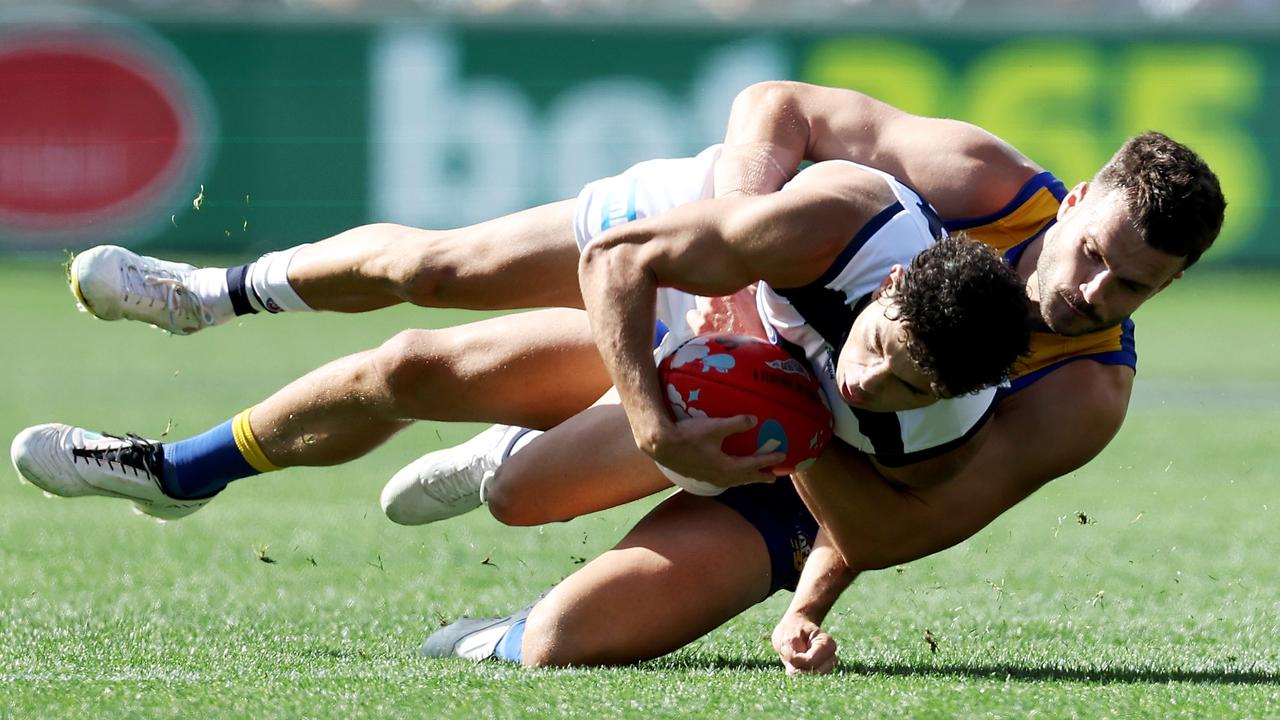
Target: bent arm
<point>963,170</point>
<point>875,525</point>
<point>711,247</point>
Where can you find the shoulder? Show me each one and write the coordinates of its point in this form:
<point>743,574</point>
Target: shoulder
<point>1069,415</point>
<point>1081,387</point>
<point>978,175</point>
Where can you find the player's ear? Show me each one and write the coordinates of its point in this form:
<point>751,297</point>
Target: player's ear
<point>1169,282</point>
<point>894,277</point>
<point>1073,199</point>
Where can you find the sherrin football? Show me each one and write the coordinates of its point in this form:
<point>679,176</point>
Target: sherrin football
<point>727,375</point>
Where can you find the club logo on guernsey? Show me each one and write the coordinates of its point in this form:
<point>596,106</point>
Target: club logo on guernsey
<point>617,210</point>
<point>800,549</point>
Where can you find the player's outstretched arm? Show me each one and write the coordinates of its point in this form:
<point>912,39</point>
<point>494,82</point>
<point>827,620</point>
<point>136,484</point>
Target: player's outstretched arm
<point>964,170</point>
<point>801,643</point>
<point>712,247</point>
<point>876,525</point>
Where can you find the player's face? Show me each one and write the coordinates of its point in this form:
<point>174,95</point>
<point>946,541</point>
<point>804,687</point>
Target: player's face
<point>874,371</point>
<point>1095,268</point>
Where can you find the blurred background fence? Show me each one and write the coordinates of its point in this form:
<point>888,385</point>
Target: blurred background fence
<point>243,125</point>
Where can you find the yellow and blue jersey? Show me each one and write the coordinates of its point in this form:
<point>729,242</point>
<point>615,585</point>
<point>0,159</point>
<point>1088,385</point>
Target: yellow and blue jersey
<point>1010,230</point>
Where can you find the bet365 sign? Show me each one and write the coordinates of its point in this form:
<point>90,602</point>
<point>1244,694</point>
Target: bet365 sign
<point>160,134</point>
<point>455,143</point>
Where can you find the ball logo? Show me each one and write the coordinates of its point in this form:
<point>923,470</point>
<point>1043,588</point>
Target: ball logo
<point>790,365</point>
<point>697,351</point>
<point>100,129</point>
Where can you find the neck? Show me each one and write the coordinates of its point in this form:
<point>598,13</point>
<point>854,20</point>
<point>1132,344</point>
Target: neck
<point>1025,267</point>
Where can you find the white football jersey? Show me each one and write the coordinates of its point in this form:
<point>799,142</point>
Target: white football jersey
<point>817,317</point>
<point>813,320</point>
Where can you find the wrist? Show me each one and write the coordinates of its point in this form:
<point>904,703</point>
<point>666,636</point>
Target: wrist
<point>809,612</point>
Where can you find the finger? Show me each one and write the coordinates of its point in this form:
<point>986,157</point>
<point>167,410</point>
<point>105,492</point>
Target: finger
<point>785,653</point>
<point>750,477</point>
<point>755,468</point>
<point>822,667</point>
<point>821,651</point>
<point>767,461</point>
<point>724,427</point>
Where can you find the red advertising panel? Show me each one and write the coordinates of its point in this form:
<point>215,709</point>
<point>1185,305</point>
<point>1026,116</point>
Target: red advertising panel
<point>97,133</point>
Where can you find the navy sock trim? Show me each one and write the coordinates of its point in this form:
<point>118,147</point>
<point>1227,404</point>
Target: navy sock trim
<point>236,289</point>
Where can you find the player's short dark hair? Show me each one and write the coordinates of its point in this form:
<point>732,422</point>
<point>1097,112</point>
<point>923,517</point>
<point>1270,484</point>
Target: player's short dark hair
<point>1173,196</point>
<point>966,314</point>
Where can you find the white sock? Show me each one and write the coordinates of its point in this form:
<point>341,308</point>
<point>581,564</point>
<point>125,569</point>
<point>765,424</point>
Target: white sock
<point>210,285</point>
<point>527,437</point>
<point>523,440</point>
<point>268,278</point>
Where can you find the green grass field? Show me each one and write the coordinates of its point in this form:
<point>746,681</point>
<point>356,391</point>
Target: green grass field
<point>1165,603</point>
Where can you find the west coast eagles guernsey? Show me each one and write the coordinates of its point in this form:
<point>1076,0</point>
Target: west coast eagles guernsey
<point>1026,217</point>
<point>814,320</point>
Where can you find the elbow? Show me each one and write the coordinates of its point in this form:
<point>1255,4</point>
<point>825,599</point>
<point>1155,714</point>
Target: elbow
<point>764,93</point>
<point>593,263</point>
<point>776,99</point>
<point>614,262</point>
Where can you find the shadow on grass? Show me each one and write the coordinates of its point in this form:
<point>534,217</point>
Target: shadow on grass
<point>992,671</point>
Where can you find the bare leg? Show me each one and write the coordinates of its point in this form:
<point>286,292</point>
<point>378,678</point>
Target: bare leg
<point>533,369</point>
<point>553,479</point>
<point>527,259</point>
<point>685,569</point>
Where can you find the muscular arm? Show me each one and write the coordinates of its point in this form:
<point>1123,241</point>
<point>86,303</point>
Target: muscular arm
<point>962,169</point>
<point>801,643</point>
<point>876,525</point>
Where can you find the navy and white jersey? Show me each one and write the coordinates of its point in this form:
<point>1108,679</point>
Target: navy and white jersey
<point>817,317</point>
<point>814,319</point>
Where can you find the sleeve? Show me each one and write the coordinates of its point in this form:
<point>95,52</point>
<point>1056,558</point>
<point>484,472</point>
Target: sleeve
<point>912,436</point>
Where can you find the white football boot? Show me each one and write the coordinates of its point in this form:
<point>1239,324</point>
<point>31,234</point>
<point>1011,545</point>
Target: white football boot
<point>474,639</point>
<point>111,283</point>
<point>72,462</point>
<point>449,482</point>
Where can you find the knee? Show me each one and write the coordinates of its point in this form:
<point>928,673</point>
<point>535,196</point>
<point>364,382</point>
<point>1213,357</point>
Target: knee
<point>412,364</point>
<point>546,642</point>
<point>510,503</point>
<point>422,267</point>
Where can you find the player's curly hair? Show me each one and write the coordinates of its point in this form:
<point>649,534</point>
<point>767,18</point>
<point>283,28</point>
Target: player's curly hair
<point>1173,196</point>
<point>966,315</point>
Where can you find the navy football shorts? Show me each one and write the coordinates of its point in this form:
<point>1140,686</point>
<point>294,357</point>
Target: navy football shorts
<point>788,528</point>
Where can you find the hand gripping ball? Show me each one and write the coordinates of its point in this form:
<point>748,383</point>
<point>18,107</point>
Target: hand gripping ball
<point>726,375</point>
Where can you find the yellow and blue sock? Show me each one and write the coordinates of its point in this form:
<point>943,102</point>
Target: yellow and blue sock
<point>203,465</point>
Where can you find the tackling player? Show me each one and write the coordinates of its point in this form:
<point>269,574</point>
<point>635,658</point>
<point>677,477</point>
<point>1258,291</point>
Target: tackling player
<point>1089,256</point>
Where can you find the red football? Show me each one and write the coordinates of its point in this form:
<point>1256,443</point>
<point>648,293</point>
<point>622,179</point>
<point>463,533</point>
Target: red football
<point>727,375</point>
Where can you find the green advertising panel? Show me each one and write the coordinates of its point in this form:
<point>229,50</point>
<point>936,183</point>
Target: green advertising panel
<point>309,130</point>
